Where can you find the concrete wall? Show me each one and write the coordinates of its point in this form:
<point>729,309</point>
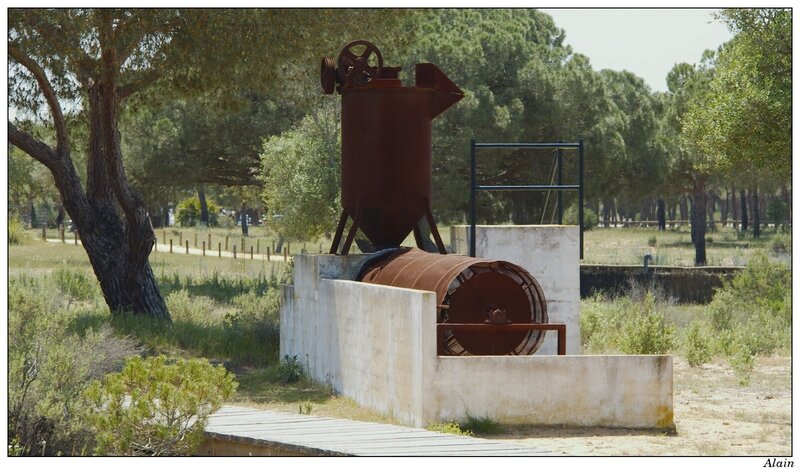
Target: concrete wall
<point>550,253</point>
<point>377,345</point>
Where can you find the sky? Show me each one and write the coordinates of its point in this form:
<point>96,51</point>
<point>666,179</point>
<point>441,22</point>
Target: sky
<point>647,42</point>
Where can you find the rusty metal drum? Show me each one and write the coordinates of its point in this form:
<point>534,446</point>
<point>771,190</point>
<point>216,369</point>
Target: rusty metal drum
<point>471,291</point>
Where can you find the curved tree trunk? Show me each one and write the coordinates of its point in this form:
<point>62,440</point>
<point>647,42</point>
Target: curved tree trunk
<point>118,245</point>
<point>243,216</point>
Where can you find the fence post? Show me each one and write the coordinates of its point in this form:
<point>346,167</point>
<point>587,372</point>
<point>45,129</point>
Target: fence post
<point>251,252</point>
<point>63,238</point>
<point>219,248</point>
<point>273,245</point>
<point>187,246</point>
<point>242,246</point>
<point>209,241</point>
<point>267,252</point>
<point>170,246</point>
<point>44,232</point>
<point>226,242</point>
<point>234,251</point>
<point>195,239</point>
<point>76,237</point>
<point>204,248</point>
<point>286,253</point>
<point>258,246</point>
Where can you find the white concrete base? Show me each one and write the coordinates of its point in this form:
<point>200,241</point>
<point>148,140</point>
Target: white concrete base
<point>550,253</point>
<point>377,345</point>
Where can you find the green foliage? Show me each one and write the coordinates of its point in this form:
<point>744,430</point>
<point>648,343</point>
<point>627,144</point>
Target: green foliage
<point>652,241</point>
<point>629,324</point>
<point>75,284</point>
<point>49,367</point>
<point>187,212</point>
<point>697,346</point>
<point>16,230</point>
<point>777,211</point>
<point>300,172</point>
<point>645,330</point>
<point>305,408</point>
<point>781,244</point>
<point>156,406</point>
<point>751,315</point>
<point>482,425</point>
<point>290,370</point>
<point>451,427</point>
<point>589,217</point>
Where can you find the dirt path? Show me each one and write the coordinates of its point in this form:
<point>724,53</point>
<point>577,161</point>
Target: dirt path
<point>714,416</point>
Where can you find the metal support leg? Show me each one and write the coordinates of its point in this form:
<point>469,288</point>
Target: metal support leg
<point>352,234</point>
<point>337,238</point>
<point>434,230</point>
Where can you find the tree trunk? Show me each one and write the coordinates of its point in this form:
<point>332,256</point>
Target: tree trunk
<point>118,245</point>
<point>684,208</point>
<point>243,216</point>
<point>606,213</point>
<point>756,213</point>
<point>33,214</point>
<point>661,215</point>
<point>699,223</point>
<point>60,216</point>
<point>201,196</point>
<point>279,244</point>
<point>723,208</point>
<point>711,199</point>
<point>743,205</point>
<point>734,208</point>
<point>787,198</point>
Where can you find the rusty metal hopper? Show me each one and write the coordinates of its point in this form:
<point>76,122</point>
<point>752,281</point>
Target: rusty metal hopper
<point>386,144</point>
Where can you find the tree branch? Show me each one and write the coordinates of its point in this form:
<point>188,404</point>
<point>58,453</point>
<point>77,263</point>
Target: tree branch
<point>62,136</point>
<point>32,146</point>
<point>132,87</point>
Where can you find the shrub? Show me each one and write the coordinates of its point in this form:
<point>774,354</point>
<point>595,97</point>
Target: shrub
<point>450,427</point>
<point>652,241</point>
<point>16,230</point>
<point>482,425</point>
<point>75,285</point>
<point>290,370</point>
<point>644,329</point>
<point>780,244</point>
<point>589,217</point>
<point>698,350</point>
<point>777,211</point>
<point>156,406</point>
<point>187,212</point>
<point>49,367</point>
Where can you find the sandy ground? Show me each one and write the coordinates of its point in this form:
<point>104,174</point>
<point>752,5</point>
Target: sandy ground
<point>714,416</point>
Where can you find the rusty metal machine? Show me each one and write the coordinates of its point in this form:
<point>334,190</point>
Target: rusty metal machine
<point>484,307</point>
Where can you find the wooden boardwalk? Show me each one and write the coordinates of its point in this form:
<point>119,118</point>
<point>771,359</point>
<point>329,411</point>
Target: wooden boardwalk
<point>246,431</point>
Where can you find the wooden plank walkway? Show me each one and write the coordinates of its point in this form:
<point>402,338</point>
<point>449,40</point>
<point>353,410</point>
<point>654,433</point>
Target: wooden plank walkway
<point>243,431</point>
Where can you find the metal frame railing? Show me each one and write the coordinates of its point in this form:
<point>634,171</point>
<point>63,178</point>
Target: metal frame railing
<point>559,187</point>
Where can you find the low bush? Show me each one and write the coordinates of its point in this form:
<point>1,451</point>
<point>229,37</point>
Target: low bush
<point>187,212</point>
<point>451,427</point>
<point>630,325</point>
<point>16,230</point>
<point>589,217</point>
<point>697,345</point>
<point>290,370</point>
<point>49,367</point>
<point>156,406</point>
<point>75,285</point>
